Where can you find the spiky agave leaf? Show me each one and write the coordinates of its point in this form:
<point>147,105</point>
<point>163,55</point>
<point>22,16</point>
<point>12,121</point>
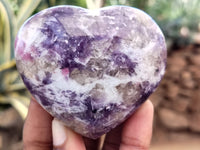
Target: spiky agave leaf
<point>19,103</point>
<point>26,9</point>
<point>7,38</point>
<point>11,87</point>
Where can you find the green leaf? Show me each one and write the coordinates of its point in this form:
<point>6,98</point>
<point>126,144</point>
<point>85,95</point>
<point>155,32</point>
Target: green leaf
<point>20,103</point>
<point>27,8</point>
<point>16,87</point>
<point>6,34</point>
<point>7,65</point>
<point>52,2</point>
<point>4,100</point>
<point>19,106</point>
<point>81,3</point>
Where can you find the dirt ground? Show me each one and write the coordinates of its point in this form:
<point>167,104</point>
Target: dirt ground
<point>190,145</point>
<point>177,102</point>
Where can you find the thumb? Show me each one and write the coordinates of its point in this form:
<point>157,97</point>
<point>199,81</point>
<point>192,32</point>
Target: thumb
<point>64,138</point>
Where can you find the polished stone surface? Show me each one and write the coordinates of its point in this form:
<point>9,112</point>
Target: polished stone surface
<point>91,69</point>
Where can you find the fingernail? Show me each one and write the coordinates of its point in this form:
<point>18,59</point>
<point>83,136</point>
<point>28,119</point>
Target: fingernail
<point>58,132</point>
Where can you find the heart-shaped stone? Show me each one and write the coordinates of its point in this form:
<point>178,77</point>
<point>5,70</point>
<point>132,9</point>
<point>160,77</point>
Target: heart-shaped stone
<point>91,69</point>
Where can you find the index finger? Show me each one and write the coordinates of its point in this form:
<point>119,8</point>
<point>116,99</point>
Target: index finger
<point>37,133</point>
<point>137,130</point>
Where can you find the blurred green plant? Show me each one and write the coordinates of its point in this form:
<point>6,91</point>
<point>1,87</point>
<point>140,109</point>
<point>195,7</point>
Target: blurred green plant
<point>12,14</point>
<point>135,3</point>
<point>179,19</point>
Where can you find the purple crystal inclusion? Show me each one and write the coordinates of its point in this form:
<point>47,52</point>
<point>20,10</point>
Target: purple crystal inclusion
<point>91,69</point>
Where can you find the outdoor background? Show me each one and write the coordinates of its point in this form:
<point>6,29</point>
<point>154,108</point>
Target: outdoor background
<point>177,99</point>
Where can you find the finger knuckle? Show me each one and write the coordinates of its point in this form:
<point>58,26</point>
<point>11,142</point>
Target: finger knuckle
<point>134,143</point>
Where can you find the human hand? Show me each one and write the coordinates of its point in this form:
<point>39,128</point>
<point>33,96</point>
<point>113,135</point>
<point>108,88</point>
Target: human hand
<point>41,132</point>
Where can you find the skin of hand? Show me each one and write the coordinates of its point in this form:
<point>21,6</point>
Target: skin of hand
<point>42,132</point>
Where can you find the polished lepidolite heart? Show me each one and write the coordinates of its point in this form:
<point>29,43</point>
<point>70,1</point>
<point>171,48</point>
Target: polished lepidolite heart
<point>90,69</point>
